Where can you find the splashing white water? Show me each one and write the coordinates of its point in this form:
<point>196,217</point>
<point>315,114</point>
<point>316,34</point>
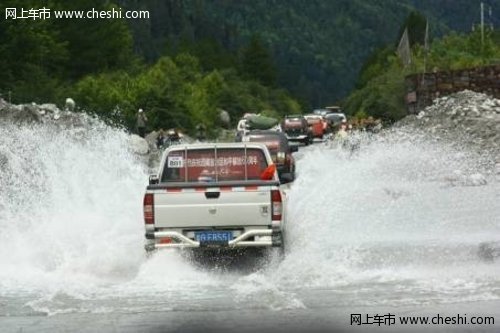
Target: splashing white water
<point>388,216</point>
<point>70,207</point>
<point>385,225</point>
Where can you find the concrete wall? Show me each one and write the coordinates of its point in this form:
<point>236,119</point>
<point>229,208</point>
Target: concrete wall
<point>423,88</point>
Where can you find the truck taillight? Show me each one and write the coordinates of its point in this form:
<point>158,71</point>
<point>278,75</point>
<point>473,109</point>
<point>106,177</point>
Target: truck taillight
<point>277,205</point>
<point>149,205</point>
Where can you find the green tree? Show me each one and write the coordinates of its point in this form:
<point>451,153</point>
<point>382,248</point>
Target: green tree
<point>32,57</point>
<point>257,63</point>
<point>416,24</point>
<point>375,65</point>
<point>94,45</point>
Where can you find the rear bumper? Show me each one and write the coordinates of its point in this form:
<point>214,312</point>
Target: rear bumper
<point>297,137</point>
<point>270,237</point>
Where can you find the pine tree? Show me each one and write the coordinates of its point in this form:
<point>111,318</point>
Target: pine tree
<point>257,63</point>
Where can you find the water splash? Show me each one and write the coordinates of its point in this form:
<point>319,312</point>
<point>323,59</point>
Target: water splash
<point>388,216</point>
<point>70,209</point>
<point>383,226</point>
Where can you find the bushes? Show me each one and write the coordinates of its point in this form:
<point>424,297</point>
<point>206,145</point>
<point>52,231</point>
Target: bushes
<point>381,86</point>
<point>176,93</point>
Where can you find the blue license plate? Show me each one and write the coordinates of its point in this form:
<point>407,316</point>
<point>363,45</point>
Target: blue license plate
<point>213,237</point>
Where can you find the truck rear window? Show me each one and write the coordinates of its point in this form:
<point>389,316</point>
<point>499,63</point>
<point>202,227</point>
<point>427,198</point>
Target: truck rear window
<point>312,121</point>
<point>293,123</point>
<point>210,165</point>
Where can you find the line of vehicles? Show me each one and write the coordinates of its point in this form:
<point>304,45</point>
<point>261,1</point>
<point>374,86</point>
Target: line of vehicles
<point>228,195</point>
<point>297,128</point>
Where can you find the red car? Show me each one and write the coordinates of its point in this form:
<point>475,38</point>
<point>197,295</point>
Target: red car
<point>280,149</point>
<point>296,129</point>
<point>317,125</point>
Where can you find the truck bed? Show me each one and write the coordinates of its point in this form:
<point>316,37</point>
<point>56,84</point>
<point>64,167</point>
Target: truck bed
<point>211,206</point>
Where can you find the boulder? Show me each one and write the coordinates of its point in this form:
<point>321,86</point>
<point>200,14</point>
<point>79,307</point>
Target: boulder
<point>138,145</point>
<point>48,107</point>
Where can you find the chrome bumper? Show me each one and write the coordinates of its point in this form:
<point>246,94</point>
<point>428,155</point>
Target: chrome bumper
<point>181,241</point>
<point>298,137</point>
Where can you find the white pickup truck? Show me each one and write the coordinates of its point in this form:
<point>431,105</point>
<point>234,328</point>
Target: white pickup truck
<point>215,195</point>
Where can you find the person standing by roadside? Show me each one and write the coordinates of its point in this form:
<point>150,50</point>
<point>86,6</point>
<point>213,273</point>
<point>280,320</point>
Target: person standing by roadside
<point>141,123</point>
<point>160,140</point>
<point>342,133</point>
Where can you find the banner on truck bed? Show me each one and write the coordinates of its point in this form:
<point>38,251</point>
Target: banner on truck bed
<point>202,165</point>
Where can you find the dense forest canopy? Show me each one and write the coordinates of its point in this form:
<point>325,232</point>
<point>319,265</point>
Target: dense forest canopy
<point>318,46</point>
<point>192,58</point>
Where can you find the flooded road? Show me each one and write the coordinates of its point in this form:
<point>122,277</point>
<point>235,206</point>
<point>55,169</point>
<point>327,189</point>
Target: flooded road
<point>395,228</point>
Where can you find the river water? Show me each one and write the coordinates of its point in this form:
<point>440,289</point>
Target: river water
<point>395,227</point>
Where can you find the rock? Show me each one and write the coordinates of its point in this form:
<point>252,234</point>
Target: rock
<point>49,107</point>
<point>474,112</point>
<point>490,115</point>
<point>463,119</point>
<point>488,104</point>
<point>452,112</point>
<point>138,145</point>
<point>151,139</point>
<point>26,113</point>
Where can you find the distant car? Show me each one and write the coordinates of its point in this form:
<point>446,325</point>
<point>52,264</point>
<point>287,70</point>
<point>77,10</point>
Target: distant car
<point>296,129</point>
<point>321,112</point>
<point>329,110</point>
<point>317,125</point>
<point>279,147</point>
<point>334,119</point>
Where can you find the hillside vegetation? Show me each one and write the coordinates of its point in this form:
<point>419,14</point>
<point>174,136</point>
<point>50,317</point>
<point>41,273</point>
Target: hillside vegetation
<point>49,60</point>
<point>195,57</point>
<point>318,47</point>
<point>381,88</point>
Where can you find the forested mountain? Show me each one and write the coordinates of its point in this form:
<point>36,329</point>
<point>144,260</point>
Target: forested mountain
<point>104,67</point>
<point>318,46</point>
<point>192,58</point>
